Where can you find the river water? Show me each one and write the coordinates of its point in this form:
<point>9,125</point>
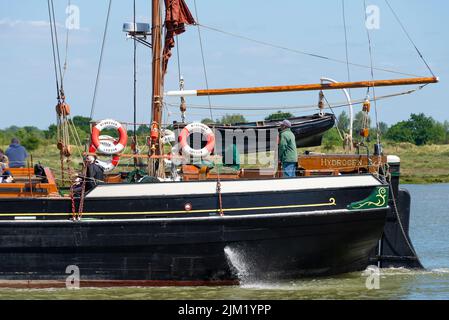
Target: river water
<point>429,232</point>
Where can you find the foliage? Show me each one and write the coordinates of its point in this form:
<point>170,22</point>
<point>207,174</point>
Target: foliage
<point>401,132</point>
<point>233,119</point>
<point>343,122</point>
<point>331,139</point>
<point>419,130</point>
<point>278,116</point>
<point>207,121</point>
<point>383,128</point>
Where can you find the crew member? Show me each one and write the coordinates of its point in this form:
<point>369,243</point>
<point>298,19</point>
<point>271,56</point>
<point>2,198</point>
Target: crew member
<point>17,154</point>
<point>94,175</point>
<point>288,152</point>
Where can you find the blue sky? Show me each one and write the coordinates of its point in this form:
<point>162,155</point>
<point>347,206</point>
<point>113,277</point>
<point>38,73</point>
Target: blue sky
<point>27,79</point>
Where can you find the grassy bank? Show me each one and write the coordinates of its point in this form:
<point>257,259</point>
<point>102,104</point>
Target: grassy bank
<point>420,165</point>
<point>425,164</point>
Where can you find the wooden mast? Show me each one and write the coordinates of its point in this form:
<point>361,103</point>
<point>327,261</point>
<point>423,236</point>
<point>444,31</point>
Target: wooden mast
<point>305,87</point>
<point>157,97</point>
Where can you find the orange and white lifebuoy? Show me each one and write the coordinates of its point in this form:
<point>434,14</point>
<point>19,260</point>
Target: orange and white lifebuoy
<point>197,128</point>
<point>109,148</point>
<point>107,166</point>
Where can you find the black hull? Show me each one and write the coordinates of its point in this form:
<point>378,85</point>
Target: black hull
<point>319,237</point>
<point>267,247</point>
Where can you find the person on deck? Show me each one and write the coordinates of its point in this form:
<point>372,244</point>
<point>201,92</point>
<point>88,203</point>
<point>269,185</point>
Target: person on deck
<point>288,153</point>
<point>17,154</point>
<point>5,174</point>
<point>231,157</point>
<point>3,158</point>
<point>94,176</point>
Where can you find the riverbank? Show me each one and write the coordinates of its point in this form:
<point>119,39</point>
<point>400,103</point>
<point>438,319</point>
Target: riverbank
<point>420,165</point>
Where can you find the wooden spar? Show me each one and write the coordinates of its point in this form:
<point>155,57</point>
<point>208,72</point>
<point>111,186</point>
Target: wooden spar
<point>157,97</point>
<point>305,87</point>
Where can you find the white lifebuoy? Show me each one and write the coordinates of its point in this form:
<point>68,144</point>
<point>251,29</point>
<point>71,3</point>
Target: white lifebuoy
<point>109,148</point>
<point>197,128</point>
<point>107,166</point>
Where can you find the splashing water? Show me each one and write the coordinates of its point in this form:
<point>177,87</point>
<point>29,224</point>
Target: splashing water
<point>237,260</point>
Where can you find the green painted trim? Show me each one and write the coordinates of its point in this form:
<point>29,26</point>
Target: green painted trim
<point>378,199</point>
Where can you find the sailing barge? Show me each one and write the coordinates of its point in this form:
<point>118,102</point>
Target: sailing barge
<point>341,214</point>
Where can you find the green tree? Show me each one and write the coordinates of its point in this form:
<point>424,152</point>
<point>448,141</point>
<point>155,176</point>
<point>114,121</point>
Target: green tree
<point>278,116</point>
<point>343,122</point>
<point>51,132</point>
<point>82,123</point>
<point>446,129</point>
<point>422,128</point>
<point>401,132</point>
<point>438,133</point>
<point>331,139</point>
<point>31,143</point>
<point>419,130</point>
<point>383,128</point>
<point>207,121</point>
<point>233,119</point>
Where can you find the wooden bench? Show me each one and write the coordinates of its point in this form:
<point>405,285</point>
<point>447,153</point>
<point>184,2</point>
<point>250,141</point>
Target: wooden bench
<point>28,185</point>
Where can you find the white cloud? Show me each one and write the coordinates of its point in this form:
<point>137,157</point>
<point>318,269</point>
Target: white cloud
<point>26,24</point>
<point>8,23</point>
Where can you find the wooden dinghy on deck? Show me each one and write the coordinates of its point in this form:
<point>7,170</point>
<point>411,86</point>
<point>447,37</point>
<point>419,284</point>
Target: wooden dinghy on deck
<point>308,131</point>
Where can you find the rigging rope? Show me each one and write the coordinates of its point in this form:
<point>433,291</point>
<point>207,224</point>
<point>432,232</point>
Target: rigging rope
<point>410,38</point>
<point>53,44</point>
<point>277,107</point>
<point>303,52</point>
<point>100,63</point>
<point>57,47</point>
<point>202,56</point>
<point>372,77</point>
<point>346,41</point>
<point>69,3</point>
<point>135,148</point>
<point>336,124</point>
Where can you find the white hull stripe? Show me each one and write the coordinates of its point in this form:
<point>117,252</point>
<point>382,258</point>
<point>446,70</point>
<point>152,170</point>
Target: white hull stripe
<point>237,186</point>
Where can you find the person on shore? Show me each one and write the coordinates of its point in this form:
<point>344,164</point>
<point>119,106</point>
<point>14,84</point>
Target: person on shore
<point>16,154</point>
<point>3,158</point>
<point>288,153</point>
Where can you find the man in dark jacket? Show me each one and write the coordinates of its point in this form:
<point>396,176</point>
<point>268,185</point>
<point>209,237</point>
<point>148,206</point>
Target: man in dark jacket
<point>94,173</point>
<point>16,154</point>
<point>94,176</point>
<point>288,153</point>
